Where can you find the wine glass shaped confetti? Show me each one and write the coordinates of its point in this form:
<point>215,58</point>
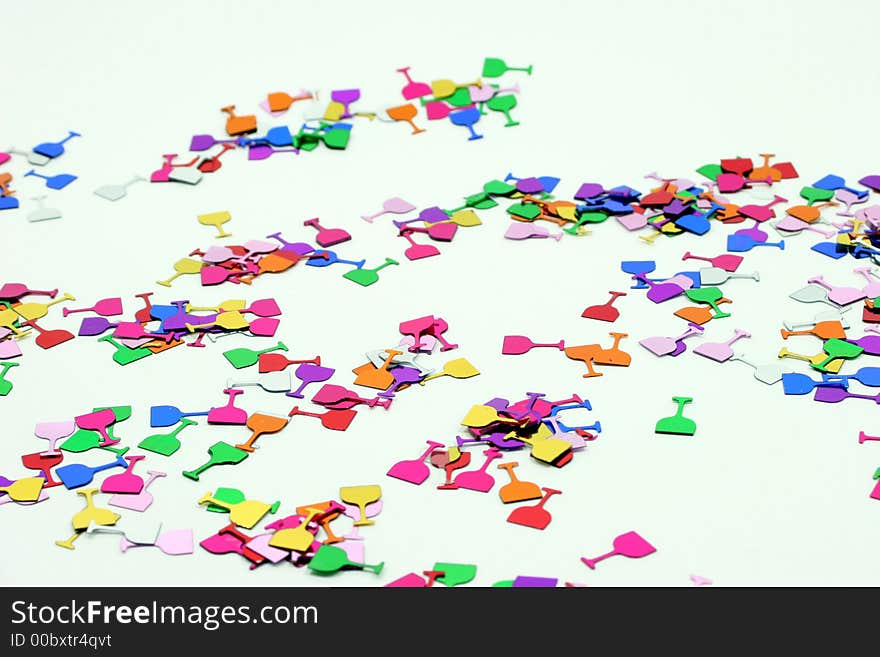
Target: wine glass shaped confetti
<point>14,291</point>
<point>116,192</point>
<point>825,330</point>
<point>827,315</point>
<point>166,416</point>
<point>413,89</point>
<point>443,89</point>
<point>517,490</point>
<point>216,219</point>
<point>231,320</point>
<point>813,294</point>
<point>376,377</point>
<point>547,448</point>
<point>33,158</point>
<point>833,395</point>
<point>109,307</point>
<point>721,351</point>
<point>277,362</point>
<point>330,558</point>
<point>366,277</point>
<point>677,424</point>
<point>414,471</point>
<point>334,419</point>
<point>42,213</point>
<point>182,267</point>
<point>211,164</point>
<point>270,382</point>
<point>740,243</point>
<point>837,350</point>
<point>393,205</point>
<point>872,289</point>
<point>221,454</point>
<point>725,261</point>
<point>308,373</point>
<point>461,461</point>
<point>630,544</point>
<point>77,474</point>
<point>346,97</point>
<point>125,482</point>
<point>416,251</point>
<point>125,355</point>
<point>437,109</point>
<point>200,143</point>
<point>259,424</point>
<point>459,368</point>
<point>638,268</point>
<point>869,343</point>
<point>663,346</point>
<point>163,174</point>
<point>522,231</point>
<point>98,421</point>
<point>708,295</point>
<point>660,292</point>
<point>295,538</point>
<point>26,489</point>
<point>795,383</point>
<point>49,338</point>
<point>9,319</point>
<point>766,170</point>
<point>849,198</point>
<point>281,101</point>
<point>769,374</point>
<point>718,276</point>
<point>867,376</point>
<point>338,397</point>
<point>228,414</point>
<point>406,113</point>
<point>515,345</point>
<point>403,377</point>
<point>325,258</point>
<point>166,443</point>
<point>479,480</point>
<point>58,181</point>
<point>503,104</point>
<point>467,117</point>
<point>842,296</point>
<point>535,516</point>
<point>35,310</point>
<point>246,513</point>
<point>242,357</point>
<point>239,125</point>
<point>44,464</point>
<point>328,236</point>
<point>361,496</point>
<point>494,67</point>
<point>264,151</point>
<point>53,149</point>
<point>788,226</point>
<point>8,346</point>
<point>605,312</point>
<point>172,542</point>
<point>53,432</point>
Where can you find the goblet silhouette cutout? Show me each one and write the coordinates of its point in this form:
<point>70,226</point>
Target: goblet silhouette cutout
<point>406,113</point>
<point>53,432</point>
<point>467,118</point>
<point>361,496</point>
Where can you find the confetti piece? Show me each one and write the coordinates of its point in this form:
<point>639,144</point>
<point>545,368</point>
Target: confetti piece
<point>630,544</point>
<point>677,424</point>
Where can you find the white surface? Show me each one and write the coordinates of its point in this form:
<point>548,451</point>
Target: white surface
<point>772,490</point>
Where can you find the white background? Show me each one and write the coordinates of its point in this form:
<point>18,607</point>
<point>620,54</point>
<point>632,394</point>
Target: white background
<point>772,490</point>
